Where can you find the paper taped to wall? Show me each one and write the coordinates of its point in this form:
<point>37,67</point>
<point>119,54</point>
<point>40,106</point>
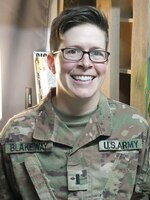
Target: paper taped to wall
<point>44,78</point>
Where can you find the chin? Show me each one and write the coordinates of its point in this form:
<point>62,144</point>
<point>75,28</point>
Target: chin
<point>84,95</point>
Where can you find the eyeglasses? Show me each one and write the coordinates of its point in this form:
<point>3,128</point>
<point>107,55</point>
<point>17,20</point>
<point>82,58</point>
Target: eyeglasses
<point>75,54</point>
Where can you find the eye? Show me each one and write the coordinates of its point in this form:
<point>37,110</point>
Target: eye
<point>97,53</point>
<point>72,51</point>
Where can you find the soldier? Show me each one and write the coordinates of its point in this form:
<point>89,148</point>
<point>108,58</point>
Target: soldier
<point>77,144</point>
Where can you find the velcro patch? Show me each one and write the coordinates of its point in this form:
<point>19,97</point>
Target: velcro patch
<point>77,180</point>
<point>116,145</point>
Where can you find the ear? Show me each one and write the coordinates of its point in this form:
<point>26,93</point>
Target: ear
<point>50,61</point>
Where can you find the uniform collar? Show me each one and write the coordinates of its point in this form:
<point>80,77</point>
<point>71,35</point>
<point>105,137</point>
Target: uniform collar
<point>100,124</point>
<point>47,122</point>
<point>44,124</point>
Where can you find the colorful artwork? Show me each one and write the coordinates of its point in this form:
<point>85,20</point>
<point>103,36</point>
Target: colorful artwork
<point>44,78</point>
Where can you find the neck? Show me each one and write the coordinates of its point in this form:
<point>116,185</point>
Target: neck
<point>76,106</point>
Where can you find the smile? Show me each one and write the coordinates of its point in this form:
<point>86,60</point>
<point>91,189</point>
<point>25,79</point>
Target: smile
<point>83,78</point>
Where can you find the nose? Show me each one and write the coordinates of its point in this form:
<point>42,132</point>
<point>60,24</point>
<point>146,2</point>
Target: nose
<point>85,61</point>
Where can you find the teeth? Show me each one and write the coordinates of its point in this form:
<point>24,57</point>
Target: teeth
<point>83,78</point>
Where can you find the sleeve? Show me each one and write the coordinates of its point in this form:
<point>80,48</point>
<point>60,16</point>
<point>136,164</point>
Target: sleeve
<point>5,192</point>
<point>8,186</point>
<point>142,185</point>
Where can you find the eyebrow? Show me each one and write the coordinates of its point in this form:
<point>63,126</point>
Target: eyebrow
<point>79,47</point>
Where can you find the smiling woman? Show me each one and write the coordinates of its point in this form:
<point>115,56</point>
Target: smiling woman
<point>77,143</point>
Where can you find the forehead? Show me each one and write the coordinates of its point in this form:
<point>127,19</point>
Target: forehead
<point>86,35</point>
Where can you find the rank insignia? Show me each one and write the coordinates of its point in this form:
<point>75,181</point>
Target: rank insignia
<point>77,180</point>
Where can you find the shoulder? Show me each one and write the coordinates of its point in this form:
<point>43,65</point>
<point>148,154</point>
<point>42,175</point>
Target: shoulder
<point>23,123</point>
<point>119,106</point>
<point>21,127</point>
<point>123,114</point>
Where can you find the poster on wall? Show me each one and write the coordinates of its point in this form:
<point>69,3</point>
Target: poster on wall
<point>44,78</point>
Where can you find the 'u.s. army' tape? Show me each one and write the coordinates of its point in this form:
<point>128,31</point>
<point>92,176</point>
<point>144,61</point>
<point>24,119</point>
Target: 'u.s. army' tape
<point>116,145</point>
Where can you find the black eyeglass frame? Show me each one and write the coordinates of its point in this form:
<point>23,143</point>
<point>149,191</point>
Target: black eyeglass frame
<point>84,52</point>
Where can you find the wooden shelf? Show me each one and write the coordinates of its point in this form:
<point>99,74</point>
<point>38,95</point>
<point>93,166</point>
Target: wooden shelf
<point>130,20</point>
<point>125,71</point>
<point>125,44</point>
<point>124,87</point>
<point>129,24</point>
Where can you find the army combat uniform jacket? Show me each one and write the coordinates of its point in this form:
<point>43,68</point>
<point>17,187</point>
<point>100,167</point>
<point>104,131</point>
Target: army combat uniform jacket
<point>39,159</point>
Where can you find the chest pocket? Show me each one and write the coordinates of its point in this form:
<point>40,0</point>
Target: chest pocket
<point>121,181</point>
<point>27,169</point>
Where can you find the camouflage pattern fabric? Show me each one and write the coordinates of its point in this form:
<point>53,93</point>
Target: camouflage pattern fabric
<point>109,161</point>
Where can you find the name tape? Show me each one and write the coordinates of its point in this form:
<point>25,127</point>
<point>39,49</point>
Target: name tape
<point>115,145</point>
<point>28,147</point>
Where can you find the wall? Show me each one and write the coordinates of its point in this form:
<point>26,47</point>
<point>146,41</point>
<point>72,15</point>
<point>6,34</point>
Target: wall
<point>23,29</point>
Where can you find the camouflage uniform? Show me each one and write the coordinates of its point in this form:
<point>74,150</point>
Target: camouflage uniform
<point>109,160</point>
